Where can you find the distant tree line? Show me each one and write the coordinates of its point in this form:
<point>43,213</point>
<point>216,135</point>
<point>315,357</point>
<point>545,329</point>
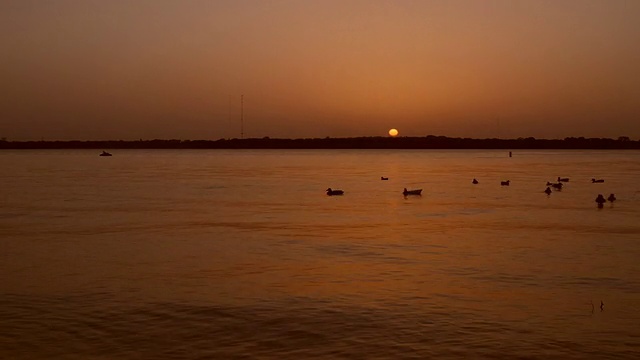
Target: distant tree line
<point>426,142</point>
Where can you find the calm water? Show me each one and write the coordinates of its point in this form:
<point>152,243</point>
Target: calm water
<point>241,255</point>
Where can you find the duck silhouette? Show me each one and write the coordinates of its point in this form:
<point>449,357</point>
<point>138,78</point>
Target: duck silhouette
<point>600,200</point>
<point>412,192</point>
<point>548,190</point>
<point>505,183</point>
<point>563,179</point>
<point>611,198</point>
<point>332,192</point>
<point>384,178</point>
<point>474,181</point>
<point>593,181</point>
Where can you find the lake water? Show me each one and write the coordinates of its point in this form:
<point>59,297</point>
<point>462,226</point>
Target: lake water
<point>163,254</point>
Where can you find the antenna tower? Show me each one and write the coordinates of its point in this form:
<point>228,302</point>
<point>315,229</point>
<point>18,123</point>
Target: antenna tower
<point>241,116</point>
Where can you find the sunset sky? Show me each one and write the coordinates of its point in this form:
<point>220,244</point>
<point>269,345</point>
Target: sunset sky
<point>130,69</point>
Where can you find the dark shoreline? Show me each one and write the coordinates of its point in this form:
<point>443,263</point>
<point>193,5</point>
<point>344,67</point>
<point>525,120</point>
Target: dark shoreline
<point>426,142</point>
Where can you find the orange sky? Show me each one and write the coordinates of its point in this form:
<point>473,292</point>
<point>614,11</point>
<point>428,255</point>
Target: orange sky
<point>121,69</point>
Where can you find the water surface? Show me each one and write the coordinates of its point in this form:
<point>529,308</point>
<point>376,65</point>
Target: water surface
<point>240,254</point>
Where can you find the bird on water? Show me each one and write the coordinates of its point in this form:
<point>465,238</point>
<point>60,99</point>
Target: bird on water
<point>412,192</point>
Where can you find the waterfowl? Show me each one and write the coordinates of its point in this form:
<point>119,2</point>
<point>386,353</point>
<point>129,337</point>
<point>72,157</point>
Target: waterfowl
<point>505,183</point>
<point>474,181</point>
<point>557,186</point>
<point>412,192</point>
<point>548,190</point>
<point>384,178</point>
<point>331,192</point>
<point>611,198</point>
<point>593,181</point>
<point>549,183</point>
<point>104,153</point>
<point>600,200</point>
<point>563,179</point>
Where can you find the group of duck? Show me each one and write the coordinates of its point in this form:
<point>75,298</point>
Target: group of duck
<point>600,200</point>
<point>332,192</point>
<point>405,192</point>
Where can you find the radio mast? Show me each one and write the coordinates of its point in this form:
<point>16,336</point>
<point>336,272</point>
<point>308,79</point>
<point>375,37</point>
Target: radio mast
<point>241,116</point>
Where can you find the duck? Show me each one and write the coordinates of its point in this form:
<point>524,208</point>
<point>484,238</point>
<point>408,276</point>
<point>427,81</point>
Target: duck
<point>384,178</point>
<point>474,181</point>
<point>557,186</point>
<point>593,181</point>
<point>505,183</point>
<point>104,153</point>
<point>563,179</point>
<point>548,190</point>
<point>549,183</point>
<point>611,198</point>
<point>600,200</point>
<point>412,192</point>
<point>332,192</point>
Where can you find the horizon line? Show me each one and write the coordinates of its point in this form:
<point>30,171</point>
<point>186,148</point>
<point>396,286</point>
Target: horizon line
<point>266,138</point>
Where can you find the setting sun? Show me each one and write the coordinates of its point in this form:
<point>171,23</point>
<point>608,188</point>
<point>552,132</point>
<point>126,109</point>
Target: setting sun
<point>393,132</point>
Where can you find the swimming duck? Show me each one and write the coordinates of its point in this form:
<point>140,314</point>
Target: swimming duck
<point>384,178</point>
<point>600,200</point>
<point>548,190</point>
<point>563,179</point>
<point>593,181</point>
<point>557,186</point>
<point>104,153</point>
<point>611,198</point>
<point>331,192</point>
<point>505,183</point>
<point>474,181</point>
<point>412,192</point>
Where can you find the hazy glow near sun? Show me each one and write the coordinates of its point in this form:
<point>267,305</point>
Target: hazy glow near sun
<point>393,132</point>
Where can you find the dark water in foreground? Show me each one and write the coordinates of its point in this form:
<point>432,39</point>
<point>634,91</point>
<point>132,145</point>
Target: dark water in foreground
<point>240,255</point>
